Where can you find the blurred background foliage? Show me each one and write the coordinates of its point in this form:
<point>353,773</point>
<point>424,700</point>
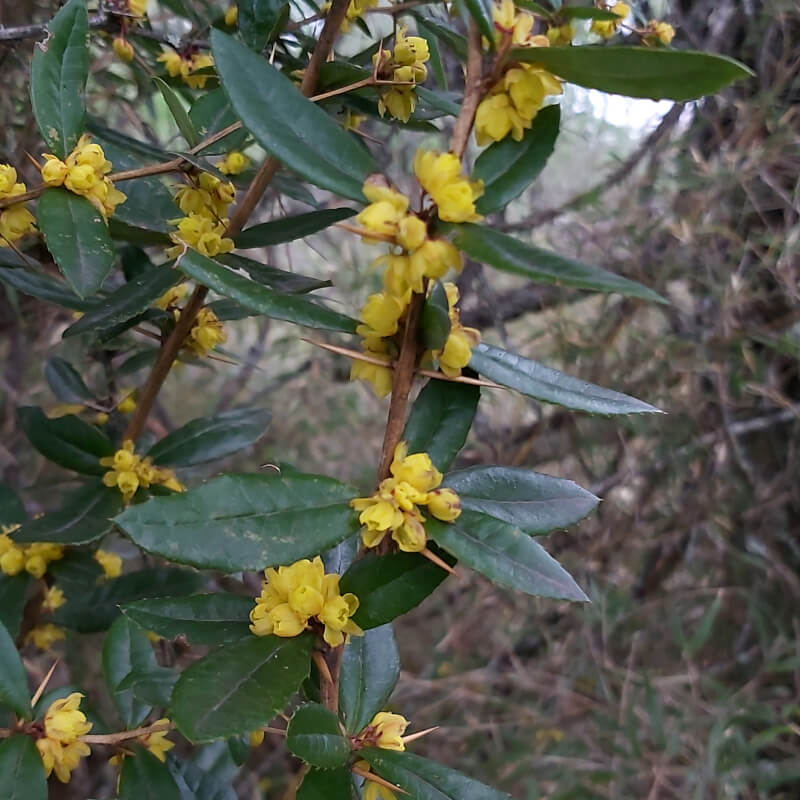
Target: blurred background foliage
<point>682,678</point>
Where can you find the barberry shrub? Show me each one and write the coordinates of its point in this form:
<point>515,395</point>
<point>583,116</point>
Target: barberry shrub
<point>134,237</point>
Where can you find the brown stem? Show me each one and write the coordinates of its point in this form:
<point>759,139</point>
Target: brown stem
<point>472,92</point>
<point>122,736</point>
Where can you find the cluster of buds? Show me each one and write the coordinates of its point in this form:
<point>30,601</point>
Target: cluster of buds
<point>658,32</point>
<point>129,471</point>
<point>84,171</point>
<point>206,333</point>
<point>33,558</point>
<point>16,220</point>
<point>300,597</point>
<point>607,28</point>
<point>457,350</point>
<point>233,163</point>
<point>60,746</point>
<point>405,65</point>
<point>186,66</point>
<point>110,562</point>
<point>394,508</point>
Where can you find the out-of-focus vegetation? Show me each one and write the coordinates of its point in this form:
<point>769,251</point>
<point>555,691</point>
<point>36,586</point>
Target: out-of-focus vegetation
<point>682,678</point>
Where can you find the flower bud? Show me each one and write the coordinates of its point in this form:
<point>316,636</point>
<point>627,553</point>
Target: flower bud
<point>123,49</point>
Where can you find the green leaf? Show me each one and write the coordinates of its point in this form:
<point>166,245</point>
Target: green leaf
<point>127,649</point>
<point>369,673</point>
<point>127,302</point>
<point>22,770</point>
<point>389,586</point>
<point>77,237</point>
<point>440,420</point>
<point>427,780</point>
<point>326,784</point>
<point>213,112</point>
<point>210,773</point>
<point>508,168</point>
<point>97,608</point>
<point>519,258</point>
<point>13,681</point>
<point>13,592</point>
<point>144,777</point>
<point>65,382</point>
<point>178,111</point>
<point>534,502</point>
<point>84,518</point>
<point>551,386</point>
<point>45,288</point>
<point>454,41</point>
<point>587,12</point>
<point>292,308</point>
<point>655,73</point>
<point>504,554</point>
<point>75,572</point>
<point>240,687</point>
<point>287,229</point>
<point>209,438</point>
<point>288,125</point>
<point>58,78</point>
<point>202,618</point>
<point>257,20</point>
<point>313,735</point>
<point>67,441</point>
<point>435,318</point>
<point>279,280</point>
<point>245,522</point>
<point>481,12</point>
<point>153,686</point>
<point>436,61</point>
<point>12,510</point>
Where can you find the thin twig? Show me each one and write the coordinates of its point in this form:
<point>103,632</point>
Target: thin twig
<point>122,736</point>
<point>43,685</point>
<point>473,82</point>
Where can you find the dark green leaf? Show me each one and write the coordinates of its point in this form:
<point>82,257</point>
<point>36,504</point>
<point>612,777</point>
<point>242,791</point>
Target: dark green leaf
<point>519,258</point>
<point>257,19</point>
<point>13,681</point>
<point>77,237</point>
<point>436,61</point>
<point>338,559</point>
<point>201,618</point>
<point>440,420</point>
<point>448,103</point>
<point>455,41</point>
<point>144,777</point>
<point>435,318</point>
<point>209,774</point>
<point>153,686</point>
<point>551,386</point>
<point>67,441</point>
<point>142,152</point>
<point>211,113</point>
<point>13,591</point>
<point>45,288</point>
<point>65,382</point>
<point>292,308</point>
<point>243,522</point>
<point>22,770</point>
<point>75,572</point>
<point>369,673</point>
<point>313,735</point>
<point>135,234</point>
<point>481,12</point>
<point>12,510</point>
<point>390,585</point>
<point>240,687</point>
<point>587,12</point>
<point>288,125</point>
<point>295,189</point>
<point>427,780</point>
<point>279,280</point>
<point>209,438</point>
<point>326,784</point>
<point>534,502</point>
<point>178,111</point>
<point>127,649</point>
<point>130,300</point>
<point>507,168</point>
<point>504,554</point>
<point>58,78</point>
<point>655,73</point>
<point>287,229</point>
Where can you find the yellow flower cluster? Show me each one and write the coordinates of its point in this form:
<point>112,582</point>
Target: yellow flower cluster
<point>60,747</point>
<point>53,598</point>
<point>384,730</point>
<point>394,507</point>
<point>440,176</point>
<point>607,28</point>
<point>157,742</point>
<point>457,350</point>
<point>231,15</point>
<point>110,562</point>
<point>84,172</point>
<point>406,64</point>
<point>44,636</point>
<point>661,32</point>
<point>184,66</point>
<point>123,49</point>
<point>233,163</point>
<point>294,597</point>
<point>16,220</point>
<point>33,558</point>
<point>206,333</point>
<point>171,298</point>
<point>130,471</point>
<point>561,34</point>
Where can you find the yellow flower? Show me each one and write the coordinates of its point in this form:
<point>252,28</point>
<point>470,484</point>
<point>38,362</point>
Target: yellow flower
<point>411,232</point>
<point>379,377</point>
<point>416,470</point>
<point>172,296</point>
<point>61,758</point>
<point>12,561</point>
<point>561,34</point>
<point>59,748</point>
<point>8,179</point>
<point>137,7</point>
<point>387,730</point>
<point>387,208</point>
<point>54,170</point>
<point>174,64</point>
<point>444,504</point>
<point>127,405</point>
<point>157,742</point>
<point>335,615</point>
<point>44,636</point>
<point>411,536</point>
<point>409,50</point>
<point>198,61</point>
<point>207,332</point>
<point>607,28</point>
<point>440,176</point>
<point>399,101</point>
<point>15,222</point>
<point>256,738</point>
<point>457,351</point>
<point>234,163</point>
<point>381,315</point>
<point>110,562</point>
<point>661,32</point>
<point>231,15</point>
<point>201,233</point>
<point>377,791</point>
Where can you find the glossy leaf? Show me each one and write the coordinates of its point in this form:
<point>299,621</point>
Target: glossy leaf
<point>245,522</point>
<point>144,777</point>
<point>13,593</point>
<point>22,769</point>
<point>77,237</point>
<point>13,681</point>
<point>152,686</point>
<point>436,61</point>
<point>440,420</point>
<point>435,318</point>
<point>77,570</point>
<point>454,40</point>
<point>388,586</point>
<point>202,618</point>
<point>279,280</point>
<point>209,438</point>
<point>67,441</point>
<point>313,735</point>
<point>59,70</point>
<point>587,12</point>
<point>504,554</point>
<point>551,386</point>
<point>369,673</point>
<point>481,13</point>
<point>12,509</point>
<point>508,168</point>
<point>507,254</point>
<point>292,308</point>
<point>287,229</point>
<point>65,382</point>
<point>45,288</point>
<point>209,774</point>
<point>213,112</point>
<point>178,111</point>
<point>240,687</point>
<point>257,20</point>
<point>653,72</point>
<point>288,125</point>
<point>326,784</point>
